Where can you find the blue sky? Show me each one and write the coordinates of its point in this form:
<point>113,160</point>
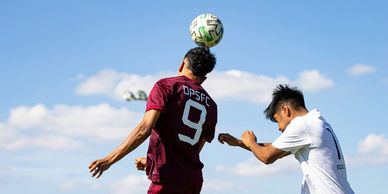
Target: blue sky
<point>65,64</point>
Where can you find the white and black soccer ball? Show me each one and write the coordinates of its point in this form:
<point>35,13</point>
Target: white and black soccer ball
<point>206,30</point>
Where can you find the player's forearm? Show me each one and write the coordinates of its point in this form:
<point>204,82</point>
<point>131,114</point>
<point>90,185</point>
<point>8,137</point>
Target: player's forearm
<point>260,152</point>
<point>134,139</point>
<point>242,145</point>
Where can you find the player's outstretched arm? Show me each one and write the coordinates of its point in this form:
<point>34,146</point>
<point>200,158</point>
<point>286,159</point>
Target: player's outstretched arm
<point>231,140</point>
<point>266,153</point>
<point>138,135</point>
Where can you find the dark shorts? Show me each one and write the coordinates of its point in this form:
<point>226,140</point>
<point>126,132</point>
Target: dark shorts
<point>156,188</point>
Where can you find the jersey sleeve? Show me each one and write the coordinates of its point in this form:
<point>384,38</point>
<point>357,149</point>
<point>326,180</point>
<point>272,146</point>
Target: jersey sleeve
<point>293,138</point>
<point>158,97</point>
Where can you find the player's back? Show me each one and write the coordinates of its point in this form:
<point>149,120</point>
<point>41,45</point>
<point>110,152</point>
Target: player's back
<point>189,115</point>
<point>327,170</point>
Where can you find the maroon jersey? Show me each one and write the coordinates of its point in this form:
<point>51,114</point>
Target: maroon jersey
<point>189,114</point>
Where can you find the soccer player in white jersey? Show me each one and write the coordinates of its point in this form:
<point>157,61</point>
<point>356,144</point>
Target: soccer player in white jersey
<point>308,136</point>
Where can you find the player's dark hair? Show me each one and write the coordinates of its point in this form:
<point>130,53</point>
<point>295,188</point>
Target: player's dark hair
<point>281,95</point>
<point>201,61</point>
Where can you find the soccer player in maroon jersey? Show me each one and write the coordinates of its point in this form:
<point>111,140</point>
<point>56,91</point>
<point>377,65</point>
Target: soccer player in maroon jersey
<point>180,117</point>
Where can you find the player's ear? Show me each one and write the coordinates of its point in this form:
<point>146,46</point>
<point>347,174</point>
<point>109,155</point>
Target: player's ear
<point>287,111</point>
<point>181,67</point>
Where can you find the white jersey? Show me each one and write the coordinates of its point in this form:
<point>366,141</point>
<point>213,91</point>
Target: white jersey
<point>313,142</point>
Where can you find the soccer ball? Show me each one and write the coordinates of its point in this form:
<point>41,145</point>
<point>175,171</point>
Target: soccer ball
<point>206,30</point>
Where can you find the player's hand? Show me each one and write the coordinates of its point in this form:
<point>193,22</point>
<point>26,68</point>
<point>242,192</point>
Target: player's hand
<point>248,138</point>
<point>229,139</point>
<point>97,167</point>
<point>140,163</point>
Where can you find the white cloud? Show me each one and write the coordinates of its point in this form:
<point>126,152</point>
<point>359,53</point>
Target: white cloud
<point>253,167</point>
<point>361,69</point>
<point>113,84</point>
<point>53,142</point>
<point>23,117</point>
<point>374,144</point>
<point>62,126</point>
<point>312,80</point>
<point>133,184</point>
<point>101,83</point>
<point>240,85</point>
<point>231,84</point>
<point>371,150</point>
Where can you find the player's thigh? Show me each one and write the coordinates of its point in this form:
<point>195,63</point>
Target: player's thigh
<point>156,188</point>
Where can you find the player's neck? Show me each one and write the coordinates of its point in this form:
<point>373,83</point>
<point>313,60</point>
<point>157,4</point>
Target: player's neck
<point>187,73</point>
<point>193,77</point>
<point>300,112</point>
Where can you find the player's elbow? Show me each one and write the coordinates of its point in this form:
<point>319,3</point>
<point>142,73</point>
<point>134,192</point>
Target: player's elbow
<point>268,160</point>
<point>143,131</point>
<point>147,123</point>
